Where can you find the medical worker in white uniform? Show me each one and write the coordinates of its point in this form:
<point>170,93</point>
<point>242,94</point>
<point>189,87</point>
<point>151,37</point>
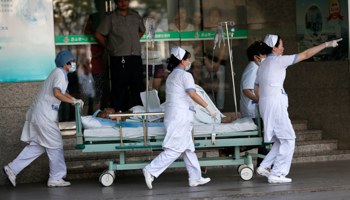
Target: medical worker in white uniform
<point>41,130</point>
<point>178,121</point>
<point>273,105</point>
<point>248,99</point>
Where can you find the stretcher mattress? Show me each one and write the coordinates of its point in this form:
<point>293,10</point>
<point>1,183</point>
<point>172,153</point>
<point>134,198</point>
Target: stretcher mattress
<point>239,125</point>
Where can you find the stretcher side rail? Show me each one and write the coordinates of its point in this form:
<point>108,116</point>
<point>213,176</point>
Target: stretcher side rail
<point>79,127</point>
<point>118,119</point>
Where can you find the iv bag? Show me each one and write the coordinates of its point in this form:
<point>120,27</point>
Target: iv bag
<point>219,36</point>
<point>151,33</point>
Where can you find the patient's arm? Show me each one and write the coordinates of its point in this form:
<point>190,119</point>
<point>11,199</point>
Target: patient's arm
<point>196,98</point>
<point>228,119</point>
<point>250,95</point>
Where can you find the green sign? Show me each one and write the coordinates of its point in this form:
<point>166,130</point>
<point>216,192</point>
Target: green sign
<point>75,39</point>
<point>159,36</point>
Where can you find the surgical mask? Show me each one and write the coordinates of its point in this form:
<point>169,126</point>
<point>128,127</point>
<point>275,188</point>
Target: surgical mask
<point>188,67</point>
<point>73,68</point>
<point>262,59</point>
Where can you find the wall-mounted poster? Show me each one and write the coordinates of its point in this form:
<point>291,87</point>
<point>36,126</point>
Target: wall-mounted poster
<point>27,45</point>
<point>319,21</point>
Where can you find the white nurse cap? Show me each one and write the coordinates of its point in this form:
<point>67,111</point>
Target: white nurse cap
<point>271,40</point>
<point>178,52</point>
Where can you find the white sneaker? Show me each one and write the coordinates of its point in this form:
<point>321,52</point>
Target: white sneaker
<point>148,178</point>
<point>57,183</point>
<point>263,172</point>
<point>10,175</point>
<point>279,179</point>
<point>200,181</point>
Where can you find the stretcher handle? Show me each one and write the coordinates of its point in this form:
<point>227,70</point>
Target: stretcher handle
<point>112,116</point>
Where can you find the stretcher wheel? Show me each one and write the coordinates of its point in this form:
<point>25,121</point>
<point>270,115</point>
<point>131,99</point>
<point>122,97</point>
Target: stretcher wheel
<point>246,173</point>
<point>240,168</point>
<point>106,179</point>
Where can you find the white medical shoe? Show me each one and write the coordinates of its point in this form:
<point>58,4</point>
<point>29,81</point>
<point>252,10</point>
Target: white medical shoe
<point>263,172</point>
<point>200,181</point>
<point>279,179</point>
<point>57,183</point>
<point>148,178</point>
<point>10,175</point>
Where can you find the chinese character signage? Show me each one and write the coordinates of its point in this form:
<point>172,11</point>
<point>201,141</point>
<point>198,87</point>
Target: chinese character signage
<point>319,21</point>
<point>27,46</point>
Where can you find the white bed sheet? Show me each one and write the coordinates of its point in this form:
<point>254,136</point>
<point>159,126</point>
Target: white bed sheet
<point>244,124</point>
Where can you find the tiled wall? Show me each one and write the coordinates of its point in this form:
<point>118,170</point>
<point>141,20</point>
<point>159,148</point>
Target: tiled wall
<point>15,99</point>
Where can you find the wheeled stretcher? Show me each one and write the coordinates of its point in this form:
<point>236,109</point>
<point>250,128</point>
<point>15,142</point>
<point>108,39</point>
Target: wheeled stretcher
<point>242,132</point>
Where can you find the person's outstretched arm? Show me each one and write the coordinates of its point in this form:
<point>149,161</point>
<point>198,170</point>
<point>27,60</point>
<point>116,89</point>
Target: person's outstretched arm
<point>66,97</point>
<point>62,97</point>
<point>196,98</point>
<point>314,50</point>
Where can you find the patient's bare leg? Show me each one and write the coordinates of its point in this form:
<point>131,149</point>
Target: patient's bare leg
<point>228,119</point>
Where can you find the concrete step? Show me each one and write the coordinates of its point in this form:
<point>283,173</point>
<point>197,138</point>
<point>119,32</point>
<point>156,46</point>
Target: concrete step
<point>315,146</point>
<point>69,142</point>
<point>307,135</point>
<point>299,125</point>
<point>335,155</point>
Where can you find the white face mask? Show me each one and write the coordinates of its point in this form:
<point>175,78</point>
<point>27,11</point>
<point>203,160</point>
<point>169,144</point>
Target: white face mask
<point>73,68</point>
<point>262,59</point>
<point>188,67</point>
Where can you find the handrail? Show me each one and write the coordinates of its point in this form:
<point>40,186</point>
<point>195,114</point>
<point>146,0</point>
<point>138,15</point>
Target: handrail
<point>134,114</point>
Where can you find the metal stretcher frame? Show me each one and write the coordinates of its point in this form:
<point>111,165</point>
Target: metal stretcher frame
<point>122,145</point>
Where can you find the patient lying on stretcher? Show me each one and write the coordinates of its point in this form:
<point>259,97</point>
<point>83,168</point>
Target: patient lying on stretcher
<point>201,116</point>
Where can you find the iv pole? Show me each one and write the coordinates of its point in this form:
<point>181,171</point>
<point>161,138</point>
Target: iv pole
<point>231,23</point>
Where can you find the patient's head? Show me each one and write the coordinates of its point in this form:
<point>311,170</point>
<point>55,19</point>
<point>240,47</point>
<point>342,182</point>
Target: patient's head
<point>105,113</point>
<point>109,110</point>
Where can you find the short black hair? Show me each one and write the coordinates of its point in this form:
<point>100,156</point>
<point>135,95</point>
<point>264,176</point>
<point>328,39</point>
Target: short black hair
<point>255,50</point>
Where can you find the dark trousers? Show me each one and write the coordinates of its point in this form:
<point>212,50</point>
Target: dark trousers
<point>129,76</point>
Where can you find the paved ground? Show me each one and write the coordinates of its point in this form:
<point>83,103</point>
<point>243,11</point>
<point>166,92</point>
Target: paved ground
<point>323,180</point>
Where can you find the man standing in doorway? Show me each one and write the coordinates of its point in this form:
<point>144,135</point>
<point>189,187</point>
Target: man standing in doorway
<point>124,28</point>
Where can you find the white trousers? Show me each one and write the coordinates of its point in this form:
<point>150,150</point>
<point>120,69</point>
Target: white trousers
<point>280,156</point>
<point>168,156</point>
<point>58,168</point>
